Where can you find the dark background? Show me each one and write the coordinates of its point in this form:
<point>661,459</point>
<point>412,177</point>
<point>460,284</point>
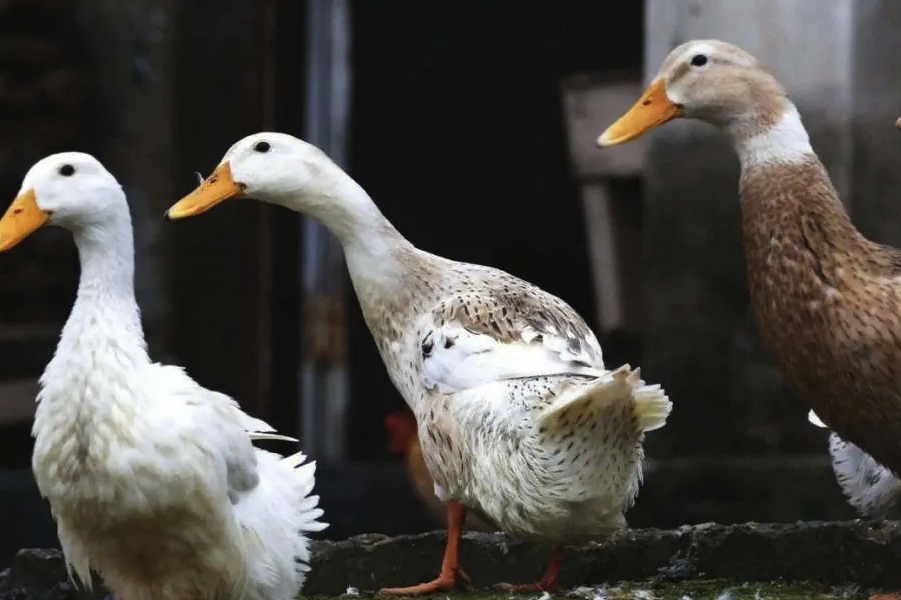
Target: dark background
<point>456,130</point>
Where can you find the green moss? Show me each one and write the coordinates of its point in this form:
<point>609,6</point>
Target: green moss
<point>694,590</point>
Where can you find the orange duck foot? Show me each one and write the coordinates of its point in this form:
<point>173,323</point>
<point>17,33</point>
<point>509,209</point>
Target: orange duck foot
<point>550,582</point>
<point>451,574</point>
<point>446,582</point>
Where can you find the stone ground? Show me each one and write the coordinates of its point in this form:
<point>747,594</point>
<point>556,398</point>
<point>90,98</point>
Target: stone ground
<point>729,562</point>
<point>693,590</point>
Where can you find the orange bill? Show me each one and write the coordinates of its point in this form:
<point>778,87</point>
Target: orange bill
<point>217,187</point>
<point>22,218</point>
<point>652,109</point>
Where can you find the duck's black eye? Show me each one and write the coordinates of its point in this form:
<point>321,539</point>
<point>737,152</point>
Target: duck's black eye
<point>698,60</point>
<point>262,147</point>
<point>67,170</point>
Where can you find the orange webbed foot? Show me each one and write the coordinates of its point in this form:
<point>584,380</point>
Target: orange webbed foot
<point>446,582</point>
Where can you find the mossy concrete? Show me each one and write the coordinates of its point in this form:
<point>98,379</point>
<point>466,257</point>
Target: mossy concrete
<point>688,590</point>
<point>844,556</point>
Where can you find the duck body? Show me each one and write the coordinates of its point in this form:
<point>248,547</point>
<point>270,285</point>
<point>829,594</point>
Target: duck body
<point>489,369</point>
<point>153,480</point>
<point>125,500</point>
<point>518,419</point>
<point>150,512</point>
<point>404,439</point>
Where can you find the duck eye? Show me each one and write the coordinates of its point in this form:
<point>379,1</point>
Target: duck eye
<point>67,170</point>
<point>262,147</point>
<point>698,60</point>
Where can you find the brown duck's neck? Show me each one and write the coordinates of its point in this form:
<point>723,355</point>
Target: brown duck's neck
<point>791,206</point>
<point>787,198</point>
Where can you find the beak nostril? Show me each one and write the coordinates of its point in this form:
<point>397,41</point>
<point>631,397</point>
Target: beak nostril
<point>646,102</point>
<point>17,211</point>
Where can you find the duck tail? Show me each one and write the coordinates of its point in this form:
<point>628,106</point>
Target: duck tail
<point>305,480</point>
<point>651,405</point>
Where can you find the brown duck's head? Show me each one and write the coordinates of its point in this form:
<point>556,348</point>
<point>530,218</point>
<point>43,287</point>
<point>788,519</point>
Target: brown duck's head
<point>710,80</point>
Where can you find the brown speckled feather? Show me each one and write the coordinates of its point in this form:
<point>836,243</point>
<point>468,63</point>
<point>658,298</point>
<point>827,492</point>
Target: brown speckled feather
<point>828,303</point>
<point>519,312</point>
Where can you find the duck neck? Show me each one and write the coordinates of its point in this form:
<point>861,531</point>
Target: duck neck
<point>788,200</point>
<point>375,251</point>
<point>105,316</point>
<point>775,141</point>
<point>779,162</point>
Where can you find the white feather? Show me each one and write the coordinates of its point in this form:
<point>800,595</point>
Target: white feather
<point>153,480</point>
<point>873,490</point>
<point>786,142</point>
<point>461,359</point>
<point>813,418</point>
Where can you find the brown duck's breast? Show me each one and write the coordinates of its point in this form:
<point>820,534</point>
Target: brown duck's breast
<point>827,303</point>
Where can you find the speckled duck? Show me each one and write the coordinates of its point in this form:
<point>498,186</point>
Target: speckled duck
<point>518,417</point>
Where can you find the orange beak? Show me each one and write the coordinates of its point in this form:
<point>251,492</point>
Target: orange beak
<point>22,218</point>
<point>217,187</point>
<point>652,109</point>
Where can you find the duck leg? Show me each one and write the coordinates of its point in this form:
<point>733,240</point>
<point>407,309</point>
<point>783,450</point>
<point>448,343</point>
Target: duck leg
<point>451,574</point>
<point>550,582</point>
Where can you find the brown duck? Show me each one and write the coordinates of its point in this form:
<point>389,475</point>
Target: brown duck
<point>827,300</point>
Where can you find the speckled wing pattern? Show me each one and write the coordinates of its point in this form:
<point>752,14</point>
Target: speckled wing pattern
<point>517,331</point>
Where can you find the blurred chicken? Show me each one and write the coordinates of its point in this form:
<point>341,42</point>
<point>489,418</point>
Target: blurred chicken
<point>404,439</point>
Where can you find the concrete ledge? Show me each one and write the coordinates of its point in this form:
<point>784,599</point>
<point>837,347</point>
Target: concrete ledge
<point>837,553</point>
<point>863,553</point>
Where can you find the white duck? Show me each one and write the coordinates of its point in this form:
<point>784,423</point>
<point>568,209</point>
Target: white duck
<point>871,489</point>
<point>518,418</point>
<point>153,480</point>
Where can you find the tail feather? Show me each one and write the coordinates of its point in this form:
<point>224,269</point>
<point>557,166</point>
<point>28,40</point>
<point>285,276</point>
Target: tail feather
<point>275,518</point>
<point>260,435</point>
<point>296,459</point>
<point>619,408</point>
<point>813,418</point>
<point>652,406</point>
<point>308,508</point>
<point>872,489</point>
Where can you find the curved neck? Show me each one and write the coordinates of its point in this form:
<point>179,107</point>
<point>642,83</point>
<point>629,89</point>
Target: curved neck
<point>105,312</point>
<point>374,249</point>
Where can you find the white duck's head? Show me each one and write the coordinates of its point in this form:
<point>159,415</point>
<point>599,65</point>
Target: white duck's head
<point>280,169</point>
<point>271,167</point>
<point>71,189</point>
<point>708,80</point>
